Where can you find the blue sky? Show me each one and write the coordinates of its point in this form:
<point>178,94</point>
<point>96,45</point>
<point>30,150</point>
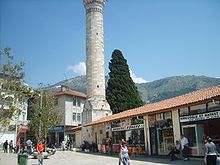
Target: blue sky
<point>159,38</point>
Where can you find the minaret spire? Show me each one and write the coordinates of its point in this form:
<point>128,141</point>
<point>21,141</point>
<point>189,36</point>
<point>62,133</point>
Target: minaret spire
<point>96,105</point>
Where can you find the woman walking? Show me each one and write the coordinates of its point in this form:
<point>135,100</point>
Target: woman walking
<point>124,153</point>
<point>210,152</point>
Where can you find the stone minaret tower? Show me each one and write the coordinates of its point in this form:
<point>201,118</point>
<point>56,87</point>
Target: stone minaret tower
<point>96,105</point>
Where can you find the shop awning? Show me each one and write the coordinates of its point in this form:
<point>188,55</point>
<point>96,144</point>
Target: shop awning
<point>23,129</point>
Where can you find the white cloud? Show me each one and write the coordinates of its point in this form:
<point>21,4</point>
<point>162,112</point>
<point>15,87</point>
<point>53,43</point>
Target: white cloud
<point>79,69</point>
<point>137,79</point>
<point>217,77</point>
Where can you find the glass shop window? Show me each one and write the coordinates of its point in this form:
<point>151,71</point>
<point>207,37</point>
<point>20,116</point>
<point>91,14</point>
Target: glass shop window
<point>159,116</point>
<point>137,120</point>
<point>184,111</point>
<point>167,115</point>
<point>151,120</point>
<point>214,105</point>
<point>197,109</point>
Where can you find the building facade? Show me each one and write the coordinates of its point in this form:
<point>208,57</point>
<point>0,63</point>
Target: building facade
<point>69,104</point>
<point>17,129</point>
<point>152,129</point>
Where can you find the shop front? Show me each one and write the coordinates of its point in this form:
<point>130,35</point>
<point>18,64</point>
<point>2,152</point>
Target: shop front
<point>161,133</point>
<point>56,135</point>
<point>199,121</point>
<point>131,130</point>
<point>22,134</point>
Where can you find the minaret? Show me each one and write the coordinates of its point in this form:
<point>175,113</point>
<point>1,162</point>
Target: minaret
<point>96,105</point>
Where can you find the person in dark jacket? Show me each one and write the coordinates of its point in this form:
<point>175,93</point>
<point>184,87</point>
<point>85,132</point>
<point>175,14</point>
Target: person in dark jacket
<point>5,146</point>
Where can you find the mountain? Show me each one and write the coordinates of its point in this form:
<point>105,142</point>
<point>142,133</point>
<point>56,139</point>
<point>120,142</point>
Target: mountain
<point>156,90</point>
<point>174,86</point>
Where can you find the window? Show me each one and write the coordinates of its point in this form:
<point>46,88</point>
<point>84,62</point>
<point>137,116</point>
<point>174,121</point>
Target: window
<point>197,109</point>
<point>74,101</point>
<point>137,120</point>
<point>159,116</point>
<point>184,111</point>
<point>214,105</point>
<point>167,115</point>
<point>74,116</point>
<point>78,102</point>
<point>78,117</point>
<point>151,120</point>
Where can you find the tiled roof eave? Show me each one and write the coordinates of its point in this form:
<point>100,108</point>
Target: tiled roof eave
<point>195,97</point>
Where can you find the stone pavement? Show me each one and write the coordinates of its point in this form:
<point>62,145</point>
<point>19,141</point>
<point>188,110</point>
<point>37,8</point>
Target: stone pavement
<point>79,158</point>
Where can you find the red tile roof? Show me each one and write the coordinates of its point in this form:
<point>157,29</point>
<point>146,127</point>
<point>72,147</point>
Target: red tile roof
<point>169,104</point>
<point>76,128</point>
<point>71,93</point>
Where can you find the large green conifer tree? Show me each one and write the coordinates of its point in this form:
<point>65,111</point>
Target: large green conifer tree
<point>121,92</point>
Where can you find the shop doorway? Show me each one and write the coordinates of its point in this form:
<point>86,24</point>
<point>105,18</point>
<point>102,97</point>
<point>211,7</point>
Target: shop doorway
<point>153,140</point>
<point>195,134</point>
<point>165,140</point>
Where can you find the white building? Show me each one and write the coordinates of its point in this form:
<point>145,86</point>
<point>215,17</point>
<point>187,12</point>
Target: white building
<point>16,131</point>
<point>70,105</point>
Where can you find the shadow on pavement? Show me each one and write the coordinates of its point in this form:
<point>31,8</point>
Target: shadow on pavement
<point>154,159</point>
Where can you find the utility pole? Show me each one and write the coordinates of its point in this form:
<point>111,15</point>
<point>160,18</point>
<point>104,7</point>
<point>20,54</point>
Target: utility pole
<point>41,109</point>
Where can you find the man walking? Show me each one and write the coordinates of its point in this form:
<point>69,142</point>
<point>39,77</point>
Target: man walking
<point>40,156</point>
<point>185,147</point>
<point>5,146</point>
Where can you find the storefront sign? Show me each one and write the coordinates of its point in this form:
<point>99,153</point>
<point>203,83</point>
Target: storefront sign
<point>204,116</point>
<point>128,127</point>
<point>56,129</point>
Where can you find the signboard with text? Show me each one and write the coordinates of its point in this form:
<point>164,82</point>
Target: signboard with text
<point>128,127</point>
<point>203,116</point>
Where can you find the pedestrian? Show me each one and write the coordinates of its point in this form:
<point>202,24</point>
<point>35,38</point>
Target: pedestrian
<point>107,144</point>
<point>124,153</point>
<point>29,146</point>
<point>175,150</point>
<point>63,145</point>
<point>17,148</point>
<point>5,146</point>
<point>11,148</point>
<point>210,152</point>
<point>119,150</point>
<point>185,147</point>
<point>40,149</point>
<point>110,143</point>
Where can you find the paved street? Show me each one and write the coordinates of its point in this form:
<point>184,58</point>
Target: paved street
<point>77,158</point>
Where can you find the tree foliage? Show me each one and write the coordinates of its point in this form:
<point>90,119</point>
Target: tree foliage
<point>13,92</point>
<point>43,115</point>
<point>121,92</point>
